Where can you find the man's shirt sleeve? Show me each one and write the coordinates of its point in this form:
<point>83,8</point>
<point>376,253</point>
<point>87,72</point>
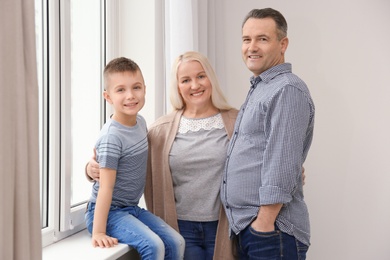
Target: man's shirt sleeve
<point>287,119</point>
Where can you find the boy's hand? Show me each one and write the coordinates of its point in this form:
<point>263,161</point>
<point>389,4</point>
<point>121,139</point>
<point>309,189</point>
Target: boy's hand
<point>102,240</point>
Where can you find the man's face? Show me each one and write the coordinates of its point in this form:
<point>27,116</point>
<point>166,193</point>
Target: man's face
<point>261,48</point>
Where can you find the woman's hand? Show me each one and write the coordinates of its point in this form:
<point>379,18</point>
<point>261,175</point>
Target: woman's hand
<point>93,169</point>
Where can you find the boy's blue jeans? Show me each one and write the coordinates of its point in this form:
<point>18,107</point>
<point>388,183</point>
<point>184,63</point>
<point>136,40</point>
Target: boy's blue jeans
<point>274,245</point>
<point>200,239</point>
<point>142,230</point>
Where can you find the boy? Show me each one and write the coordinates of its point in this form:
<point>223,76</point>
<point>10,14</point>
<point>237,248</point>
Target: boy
<point>113,213</point>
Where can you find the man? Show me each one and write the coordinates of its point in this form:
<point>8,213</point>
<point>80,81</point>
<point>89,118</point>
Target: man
<point>262,185</point>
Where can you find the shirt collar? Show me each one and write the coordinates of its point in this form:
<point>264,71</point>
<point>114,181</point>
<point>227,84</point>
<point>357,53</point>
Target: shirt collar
<point>254,80</point>
<point>269,74</point>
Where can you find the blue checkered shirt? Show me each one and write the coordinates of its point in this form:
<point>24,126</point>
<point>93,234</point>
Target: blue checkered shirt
<point>272,137</point>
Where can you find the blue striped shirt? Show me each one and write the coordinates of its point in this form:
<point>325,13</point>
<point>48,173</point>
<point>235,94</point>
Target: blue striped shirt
<point>124,149</point>
<point>272,137</point>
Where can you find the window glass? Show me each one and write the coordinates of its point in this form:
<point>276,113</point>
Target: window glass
<point>86,90</point>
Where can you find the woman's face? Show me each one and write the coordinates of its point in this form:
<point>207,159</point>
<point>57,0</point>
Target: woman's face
<point>194,85</point>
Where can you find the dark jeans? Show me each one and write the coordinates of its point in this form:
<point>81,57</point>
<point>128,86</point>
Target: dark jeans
<point>274,245</point>
<point>200,239</point>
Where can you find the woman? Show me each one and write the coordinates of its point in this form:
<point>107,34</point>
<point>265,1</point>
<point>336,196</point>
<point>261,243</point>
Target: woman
<point>187,153</point>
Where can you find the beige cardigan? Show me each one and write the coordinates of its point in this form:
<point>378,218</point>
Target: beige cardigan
<point>159,195</point>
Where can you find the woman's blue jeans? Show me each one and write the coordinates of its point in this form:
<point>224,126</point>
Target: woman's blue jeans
<point>142,230</point>
<point>200,239</point>
<point>274,245</point>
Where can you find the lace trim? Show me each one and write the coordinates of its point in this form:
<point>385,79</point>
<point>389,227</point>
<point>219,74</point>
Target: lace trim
<point>196,124</point>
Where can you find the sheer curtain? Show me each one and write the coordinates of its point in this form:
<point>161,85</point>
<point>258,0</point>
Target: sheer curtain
<point>19,184</point>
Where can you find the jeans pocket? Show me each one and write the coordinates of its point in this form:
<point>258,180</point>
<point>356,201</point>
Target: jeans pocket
<point>263,234</point>
<point>261,245</point>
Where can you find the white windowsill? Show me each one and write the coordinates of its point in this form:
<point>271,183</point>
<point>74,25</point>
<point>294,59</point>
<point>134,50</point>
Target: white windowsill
<point>78,246</point>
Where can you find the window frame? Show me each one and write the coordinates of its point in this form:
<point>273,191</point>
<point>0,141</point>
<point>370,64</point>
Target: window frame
<point>62,220</point>
<point>59,218</point>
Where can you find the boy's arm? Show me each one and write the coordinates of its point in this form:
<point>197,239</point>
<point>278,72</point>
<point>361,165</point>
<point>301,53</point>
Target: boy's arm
<point>103,203</point>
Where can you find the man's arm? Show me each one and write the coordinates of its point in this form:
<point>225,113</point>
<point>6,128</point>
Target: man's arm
<point>267,214</point>
<point>282,171</point>
<point>266,217</point>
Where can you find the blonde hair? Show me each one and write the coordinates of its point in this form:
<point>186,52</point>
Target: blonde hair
<point>217,97</point>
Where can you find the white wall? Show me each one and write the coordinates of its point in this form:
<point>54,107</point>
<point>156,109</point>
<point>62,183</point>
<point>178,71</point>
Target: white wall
<point>341,49</point>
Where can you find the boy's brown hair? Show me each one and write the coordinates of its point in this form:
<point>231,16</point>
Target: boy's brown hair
<point>120,64</point>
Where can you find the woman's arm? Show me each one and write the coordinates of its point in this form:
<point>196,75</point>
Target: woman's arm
<point>92,169</point>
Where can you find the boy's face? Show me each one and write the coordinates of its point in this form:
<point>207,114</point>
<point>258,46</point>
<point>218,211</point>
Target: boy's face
<point>126,92</point>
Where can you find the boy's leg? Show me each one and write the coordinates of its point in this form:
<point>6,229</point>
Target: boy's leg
<point>89,214</point>
<point>129,230</point>
<point>173,241</point>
